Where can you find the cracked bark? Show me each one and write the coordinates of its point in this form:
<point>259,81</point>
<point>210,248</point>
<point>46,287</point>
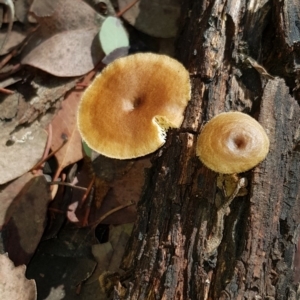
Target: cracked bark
<point>257,256</point>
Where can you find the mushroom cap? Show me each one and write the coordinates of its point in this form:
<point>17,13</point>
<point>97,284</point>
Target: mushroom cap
<point>128,108</point>
<point>232,142</point>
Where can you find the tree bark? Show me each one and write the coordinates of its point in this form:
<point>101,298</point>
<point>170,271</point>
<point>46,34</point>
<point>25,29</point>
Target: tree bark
<point>183,245</point>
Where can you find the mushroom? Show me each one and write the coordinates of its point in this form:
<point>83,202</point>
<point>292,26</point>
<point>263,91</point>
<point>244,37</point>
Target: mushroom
<point>232,142</point>
<point>128,108</point>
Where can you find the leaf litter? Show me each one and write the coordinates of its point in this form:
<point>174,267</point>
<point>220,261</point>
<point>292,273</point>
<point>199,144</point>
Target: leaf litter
<point>13,283</point>
<point>64,44</point>
<point>23,216</point>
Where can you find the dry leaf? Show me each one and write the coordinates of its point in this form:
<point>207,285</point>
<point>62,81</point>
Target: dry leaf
<point>103,254</point>
<point>64,260</point>
<point>157,18</point>
<point>16,36</point>
<point>62,15</point>
<point>56,293</point>
<point>123,190</point>
<point>118,237</point>
<point>63,44</point>
<point>117,183</point>
<point>23,212</point>
<point>69,53</point>
<point>65,124</point>
<point>21,150</point>
<point>13,283</point>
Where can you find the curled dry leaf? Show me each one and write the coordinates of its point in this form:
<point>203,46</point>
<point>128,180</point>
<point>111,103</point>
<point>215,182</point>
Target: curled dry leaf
<point>13,283</point>
<point>157,18</point>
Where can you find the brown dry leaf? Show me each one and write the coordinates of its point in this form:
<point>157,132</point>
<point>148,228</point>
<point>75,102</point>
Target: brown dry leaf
<point>16,36</point>
<point>110,169</point>
<point>157,18</point>
<point>61,15</point>
<point>20,150</point>
<point>23,212</point>
<point>117,183</point>
<point>124,190</point>
<point>63,44</point>
<point>13,283</point>
<point>65,124</point>
<point>69,53</point>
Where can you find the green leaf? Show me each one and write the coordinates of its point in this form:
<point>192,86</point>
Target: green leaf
<point>112,35</point>
<point>87,150</point>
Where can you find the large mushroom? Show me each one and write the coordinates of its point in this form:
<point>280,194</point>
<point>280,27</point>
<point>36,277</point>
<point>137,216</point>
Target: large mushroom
<point>128,108</point>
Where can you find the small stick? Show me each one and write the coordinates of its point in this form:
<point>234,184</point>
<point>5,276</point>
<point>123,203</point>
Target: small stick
<point>88,208</point>
<point>81,85</point>
<point>120,13</point>
<point>88,190</point>
<point>13,70</point>
<point>6,91</point>
<point>94,224</point>
<point>68,184</point>
<point>38,165</point>
<point>56,210</point>
<point>8,57</point>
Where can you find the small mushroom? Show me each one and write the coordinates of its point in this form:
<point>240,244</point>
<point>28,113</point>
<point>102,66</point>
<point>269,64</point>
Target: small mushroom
<point>128,108</point>
<point>232,142</point>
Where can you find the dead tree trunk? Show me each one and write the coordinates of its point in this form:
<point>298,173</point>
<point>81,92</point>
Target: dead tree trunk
<point>180,247</point>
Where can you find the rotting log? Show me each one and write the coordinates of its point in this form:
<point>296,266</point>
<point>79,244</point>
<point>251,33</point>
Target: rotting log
<point>178,249</point>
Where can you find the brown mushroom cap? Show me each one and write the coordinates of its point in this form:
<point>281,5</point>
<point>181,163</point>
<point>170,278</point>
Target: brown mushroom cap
<point>127,109</point>
<point>232,142</point>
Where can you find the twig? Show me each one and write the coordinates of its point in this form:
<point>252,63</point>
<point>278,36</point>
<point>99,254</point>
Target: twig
<point>7,58</point>
<point>6,91</point>
<point>94,224</point>
<point>88,190</point>
<point>13,70</point>
<point>56,210</point>
<point>88,207</point>
<point>50,155</point>
<point>120,13</point>
<point>68,184</point>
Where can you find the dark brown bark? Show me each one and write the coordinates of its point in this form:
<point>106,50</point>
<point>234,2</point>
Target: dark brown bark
<point>177,249</point>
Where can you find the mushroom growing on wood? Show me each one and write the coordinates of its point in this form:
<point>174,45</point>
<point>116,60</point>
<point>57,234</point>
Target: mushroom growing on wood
<point>232,142</point>
<point>128,108</point>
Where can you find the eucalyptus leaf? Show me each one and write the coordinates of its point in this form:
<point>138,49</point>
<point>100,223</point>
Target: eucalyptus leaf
<point>112,35</point>
<point>87,150</point>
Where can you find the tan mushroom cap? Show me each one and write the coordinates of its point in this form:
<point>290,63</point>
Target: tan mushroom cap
<point>128,108</point>
<point>232,142</point>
